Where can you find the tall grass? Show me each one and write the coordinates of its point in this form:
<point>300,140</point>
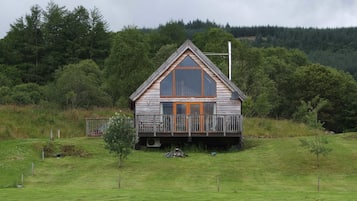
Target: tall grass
<point>271,128</point>
<point>38,121</point>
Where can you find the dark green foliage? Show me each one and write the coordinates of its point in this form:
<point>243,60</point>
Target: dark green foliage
<point>79,85</point>
<point>47,47</point>
<point>332,47</point>
<point>163,54</point>
<point>280,64</point>
<point>5,95</point>
<point>334,86</point>
<point>128,65</point>
<point>24,94</point>
<point>43,41</point>
<point>172,32</point>
<point>120,136</point>
<point>251,73</point>
<point>9,75</point>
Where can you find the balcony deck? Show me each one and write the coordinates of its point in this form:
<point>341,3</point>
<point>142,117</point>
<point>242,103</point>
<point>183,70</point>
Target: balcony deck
<point>189,125</point>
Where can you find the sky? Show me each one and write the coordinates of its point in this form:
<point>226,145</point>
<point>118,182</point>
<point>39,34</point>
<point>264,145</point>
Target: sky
<point>151,13</point>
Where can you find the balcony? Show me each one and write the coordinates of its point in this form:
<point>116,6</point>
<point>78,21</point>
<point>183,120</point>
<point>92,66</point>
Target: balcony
<point>189,125</point>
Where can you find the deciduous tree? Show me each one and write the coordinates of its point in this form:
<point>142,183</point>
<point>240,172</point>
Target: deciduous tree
<point>128,65</point>
<point>120,137</point>
<point>79,85</point>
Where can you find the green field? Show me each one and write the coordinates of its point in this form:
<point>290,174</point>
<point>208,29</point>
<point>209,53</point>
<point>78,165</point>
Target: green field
<point>268,169</point>
<point>273,165</point>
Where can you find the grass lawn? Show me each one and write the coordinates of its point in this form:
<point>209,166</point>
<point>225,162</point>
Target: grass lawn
<point>269,169</point>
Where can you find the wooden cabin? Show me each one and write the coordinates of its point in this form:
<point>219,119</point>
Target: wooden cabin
<point>188,99</point>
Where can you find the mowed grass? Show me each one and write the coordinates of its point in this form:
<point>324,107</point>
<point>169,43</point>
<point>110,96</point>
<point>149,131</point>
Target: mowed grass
<point>268,169</point>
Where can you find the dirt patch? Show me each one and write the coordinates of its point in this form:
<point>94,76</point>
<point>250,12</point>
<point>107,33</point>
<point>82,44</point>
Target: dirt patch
<point>52,149</point>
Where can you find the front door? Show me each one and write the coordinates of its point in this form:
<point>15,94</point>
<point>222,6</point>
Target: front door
<point>188,116</point>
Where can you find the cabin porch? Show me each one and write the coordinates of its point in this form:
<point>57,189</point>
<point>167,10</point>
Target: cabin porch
<point>227,125</point>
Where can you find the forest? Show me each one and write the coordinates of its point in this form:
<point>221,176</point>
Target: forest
<point>56,57</point>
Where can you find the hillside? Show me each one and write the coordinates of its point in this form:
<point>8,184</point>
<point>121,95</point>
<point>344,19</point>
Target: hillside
<point>273,165</point>
<point>87,68</point>
<point>268,169</point>
<point>335,47</point>
<point>37,121</point>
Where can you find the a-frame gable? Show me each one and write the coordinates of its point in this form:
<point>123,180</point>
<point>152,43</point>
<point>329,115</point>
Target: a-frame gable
<point>188,45</point>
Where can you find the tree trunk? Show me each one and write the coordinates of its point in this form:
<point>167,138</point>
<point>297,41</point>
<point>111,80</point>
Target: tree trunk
<point>119,162</point>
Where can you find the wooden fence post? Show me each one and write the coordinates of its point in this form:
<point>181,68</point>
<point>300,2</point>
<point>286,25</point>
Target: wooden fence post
<point>51,135</point>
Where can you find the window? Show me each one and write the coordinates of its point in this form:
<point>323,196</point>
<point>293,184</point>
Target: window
<point>166,86</point>
<point>166,118</point>
<point>209,108</point>
<point>166,108</point>
<point>188,82</point>
<point>188,79</point>
<point>174,115</point>
<point>181,108</point>
<point>187,62</point>
<point>210,85</point>
<point>210,119</point>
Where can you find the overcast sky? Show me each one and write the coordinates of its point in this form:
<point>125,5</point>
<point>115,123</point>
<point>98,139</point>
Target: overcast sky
<point>151,13</point>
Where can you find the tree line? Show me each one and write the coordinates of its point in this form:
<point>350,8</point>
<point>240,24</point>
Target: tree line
<point>336,47</point>
<point>70,59</point>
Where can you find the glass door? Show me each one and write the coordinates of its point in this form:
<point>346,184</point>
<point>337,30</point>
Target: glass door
<point>195,116</point>
<point>186,113</point>
<point>180,116</point>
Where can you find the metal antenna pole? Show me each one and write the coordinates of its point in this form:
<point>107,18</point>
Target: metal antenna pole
<point>229,61</point>
<point>224,54</point>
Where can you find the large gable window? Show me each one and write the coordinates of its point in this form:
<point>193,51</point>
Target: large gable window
<point>188,82</point>
<point>188,79</point>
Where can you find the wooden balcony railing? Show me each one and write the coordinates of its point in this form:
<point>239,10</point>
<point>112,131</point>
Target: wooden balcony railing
<point>188,124</point>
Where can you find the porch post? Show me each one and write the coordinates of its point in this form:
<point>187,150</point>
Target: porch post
<point>207,123</point>
<point>154,122</point>
<point>172,125</point>
<point>137,126</point>
<point>241,123</point>
<point>189,126</point>
<point>224,125</point>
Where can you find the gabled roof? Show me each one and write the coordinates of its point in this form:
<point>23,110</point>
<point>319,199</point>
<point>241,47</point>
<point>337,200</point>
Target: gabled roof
<point>236,92</point>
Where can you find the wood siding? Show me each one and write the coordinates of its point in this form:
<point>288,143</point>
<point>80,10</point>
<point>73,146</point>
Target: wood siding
<point>149,102</point>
